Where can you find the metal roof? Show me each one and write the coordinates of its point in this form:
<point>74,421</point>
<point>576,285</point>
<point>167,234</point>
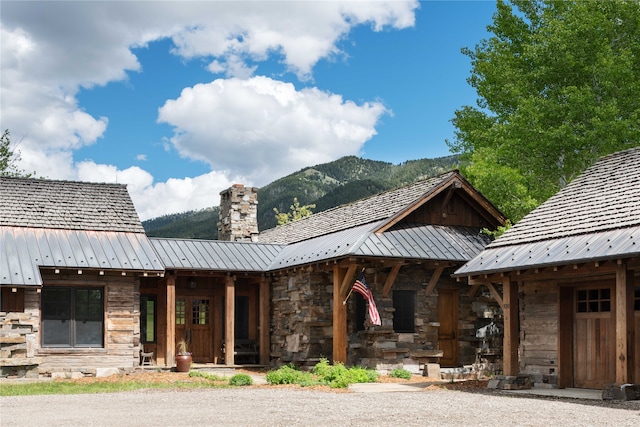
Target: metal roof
<point>433,242</point>
<point>189,254</point>
<point>24,250</point>
<point>623,243</point>
<point>410,241</point>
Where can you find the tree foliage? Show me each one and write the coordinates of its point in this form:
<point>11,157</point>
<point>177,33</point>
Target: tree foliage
<point>9,157</point>
<point>558,86</point>
<point>296,212</point>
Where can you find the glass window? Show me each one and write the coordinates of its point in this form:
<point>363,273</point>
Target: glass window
<point>180,311</point>
<point>593,301</point>
<point>404,314</point>
<point>72,317</point>
<point>148,318</point>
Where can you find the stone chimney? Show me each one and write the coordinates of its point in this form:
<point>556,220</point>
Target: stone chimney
<point>238,214</point>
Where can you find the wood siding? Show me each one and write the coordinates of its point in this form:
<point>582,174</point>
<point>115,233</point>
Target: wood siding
<point>121,325</point>
<point>460,210</point>
<point>539,330</point>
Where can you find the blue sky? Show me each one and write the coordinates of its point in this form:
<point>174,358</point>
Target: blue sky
<point>180,100</point>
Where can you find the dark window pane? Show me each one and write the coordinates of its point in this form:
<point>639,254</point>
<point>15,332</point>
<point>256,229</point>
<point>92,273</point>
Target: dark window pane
<point>242,318</point>
<point>593,306</point>
<point>404,314</point>
<point>582,296</point>
<point>88,333</point>
<point>361,309</point>
<point>593,294</point>
<point>56,303</point>
<point>605,306</point>
<point>605,294</point>
<point>56,333</point>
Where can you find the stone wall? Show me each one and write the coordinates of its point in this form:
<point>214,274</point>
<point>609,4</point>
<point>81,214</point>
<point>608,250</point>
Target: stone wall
<point>19,340</point>
<point>302,328</point>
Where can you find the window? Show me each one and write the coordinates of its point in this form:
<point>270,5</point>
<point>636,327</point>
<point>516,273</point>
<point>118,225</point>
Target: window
<point>404,314</point>
<point>72,317</point>
<point>636,299</point>
<point>242,317</point>
<point>593,300</point>
<point>148,318</point>
<point>361,310</point>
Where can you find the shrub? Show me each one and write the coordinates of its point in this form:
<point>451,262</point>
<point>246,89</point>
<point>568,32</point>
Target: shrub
<point>240,380</point>
<point>400,373</point>
<point>289,375</point>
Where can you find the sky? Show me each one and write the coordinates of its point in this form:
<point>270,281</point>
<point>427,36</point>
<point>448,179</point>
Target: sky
<point>180,100</point>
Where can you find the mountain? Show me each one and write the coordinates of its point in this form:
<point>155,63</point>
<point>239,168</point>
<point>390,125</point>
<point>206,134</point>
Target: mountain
<point>327,185</point>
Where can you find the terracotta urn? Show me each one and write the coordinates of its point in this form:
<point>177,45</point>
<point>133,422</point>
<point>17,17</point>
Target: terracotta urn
<point>183,362</point>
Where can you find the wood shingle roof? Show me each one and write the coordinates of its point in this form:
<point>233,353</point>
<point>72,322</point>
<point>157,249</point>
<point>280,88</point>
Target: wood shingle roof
<point>604,197</point>
<point>68,205</point>
<point>375,208</point>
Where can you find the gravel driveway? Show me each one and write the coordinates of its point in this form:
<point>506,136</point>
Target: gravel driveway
<point>302,407</point>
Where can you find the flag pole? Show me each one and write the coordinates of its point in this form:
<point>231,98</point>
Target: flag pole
<point>350,290</point>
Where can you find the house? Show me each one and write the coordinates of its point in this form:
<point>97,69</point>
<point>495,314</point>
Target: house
<point>271,298</point>
<point>567,276</point>
<point>71,258</point>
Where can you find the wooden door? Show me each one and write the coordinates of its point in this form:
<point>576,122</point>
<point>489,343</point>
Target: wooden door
<point>193,323</point>
<point>594,338</point>
<point>448,330</point>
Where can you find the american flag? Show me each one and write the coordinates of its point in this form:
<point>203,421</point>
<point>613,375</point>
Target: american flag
<point>361,287</point>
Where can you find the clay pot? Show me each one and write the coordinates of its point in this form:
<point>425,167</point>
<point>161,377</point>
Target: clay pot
<point>183,362</point>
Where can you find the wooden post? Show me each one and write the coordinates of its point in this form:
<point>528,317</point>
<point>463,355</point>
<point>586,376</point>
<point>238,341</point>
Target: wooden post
<point>339,318</point>
<point>170,353</point>
<point>265,322</point>
<point>625,325</point>
<point>565,336</point>
<point>510,310</point>
<point>229,321</point>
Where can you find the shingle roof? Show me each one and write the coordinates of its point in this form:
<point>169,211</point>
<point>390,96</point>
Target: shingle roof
<point>64,224</point>
<point>378,207</point>
<point>606,196</point>
<point>596,217</point>
<point>38,203</point>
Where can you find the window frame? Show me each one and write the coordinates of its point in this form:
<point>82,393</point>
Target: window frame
<point>78,315</point>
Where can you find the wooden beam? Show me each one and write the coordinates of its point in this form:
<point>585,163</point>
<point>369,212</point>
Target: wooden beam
<point>391,278</point>
<point>434,280</point>
<point>339,317</point>
<point>447,199</point>
<point>511,333</point>
<point>229,321</point>
<point>265,322</point>
<point>565,336</point>
<point>625,325</point>
<point>348,279</point>
<point>170,333</point>
<point>474,290</point>
<point>496,294</point>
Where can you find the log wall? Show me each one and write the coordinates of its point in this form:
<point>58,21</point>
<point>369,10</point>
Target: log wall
<point>539,331</point>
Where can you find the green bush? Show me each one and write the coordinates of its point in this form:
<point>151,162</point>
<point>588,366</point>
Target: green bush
<point>289,375</point>
<point>400,373</point>
<point>240,380</point>
<point>335,376</point>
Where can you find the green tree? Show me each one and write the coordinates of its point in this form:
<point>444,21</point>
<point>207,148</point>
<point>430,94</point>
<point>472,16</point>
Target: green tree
<point>558,86</point>
<point>9,158</point>
<point>296,212</point>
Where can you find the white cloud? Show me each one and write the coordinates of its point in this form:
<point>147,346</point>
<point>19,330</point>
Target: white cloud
<point>264,129</point>
<point>51,49</point>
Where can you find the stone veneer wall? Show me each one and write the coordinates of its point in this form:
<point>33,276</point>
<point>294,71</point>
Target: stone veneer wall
<point>238,214</point>
<point>19,339</point>
<point>302,304</point>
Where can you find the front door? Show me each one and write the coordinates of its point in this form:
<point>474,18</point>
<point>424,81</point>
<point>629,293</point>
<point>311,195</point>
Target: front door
<point>193,323</point>
<point>594,338</point>
<point>448,330</point>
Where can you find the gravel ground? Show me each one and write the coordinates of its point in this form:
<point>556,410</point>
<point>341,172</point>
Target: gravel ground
<point>274,406</point>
